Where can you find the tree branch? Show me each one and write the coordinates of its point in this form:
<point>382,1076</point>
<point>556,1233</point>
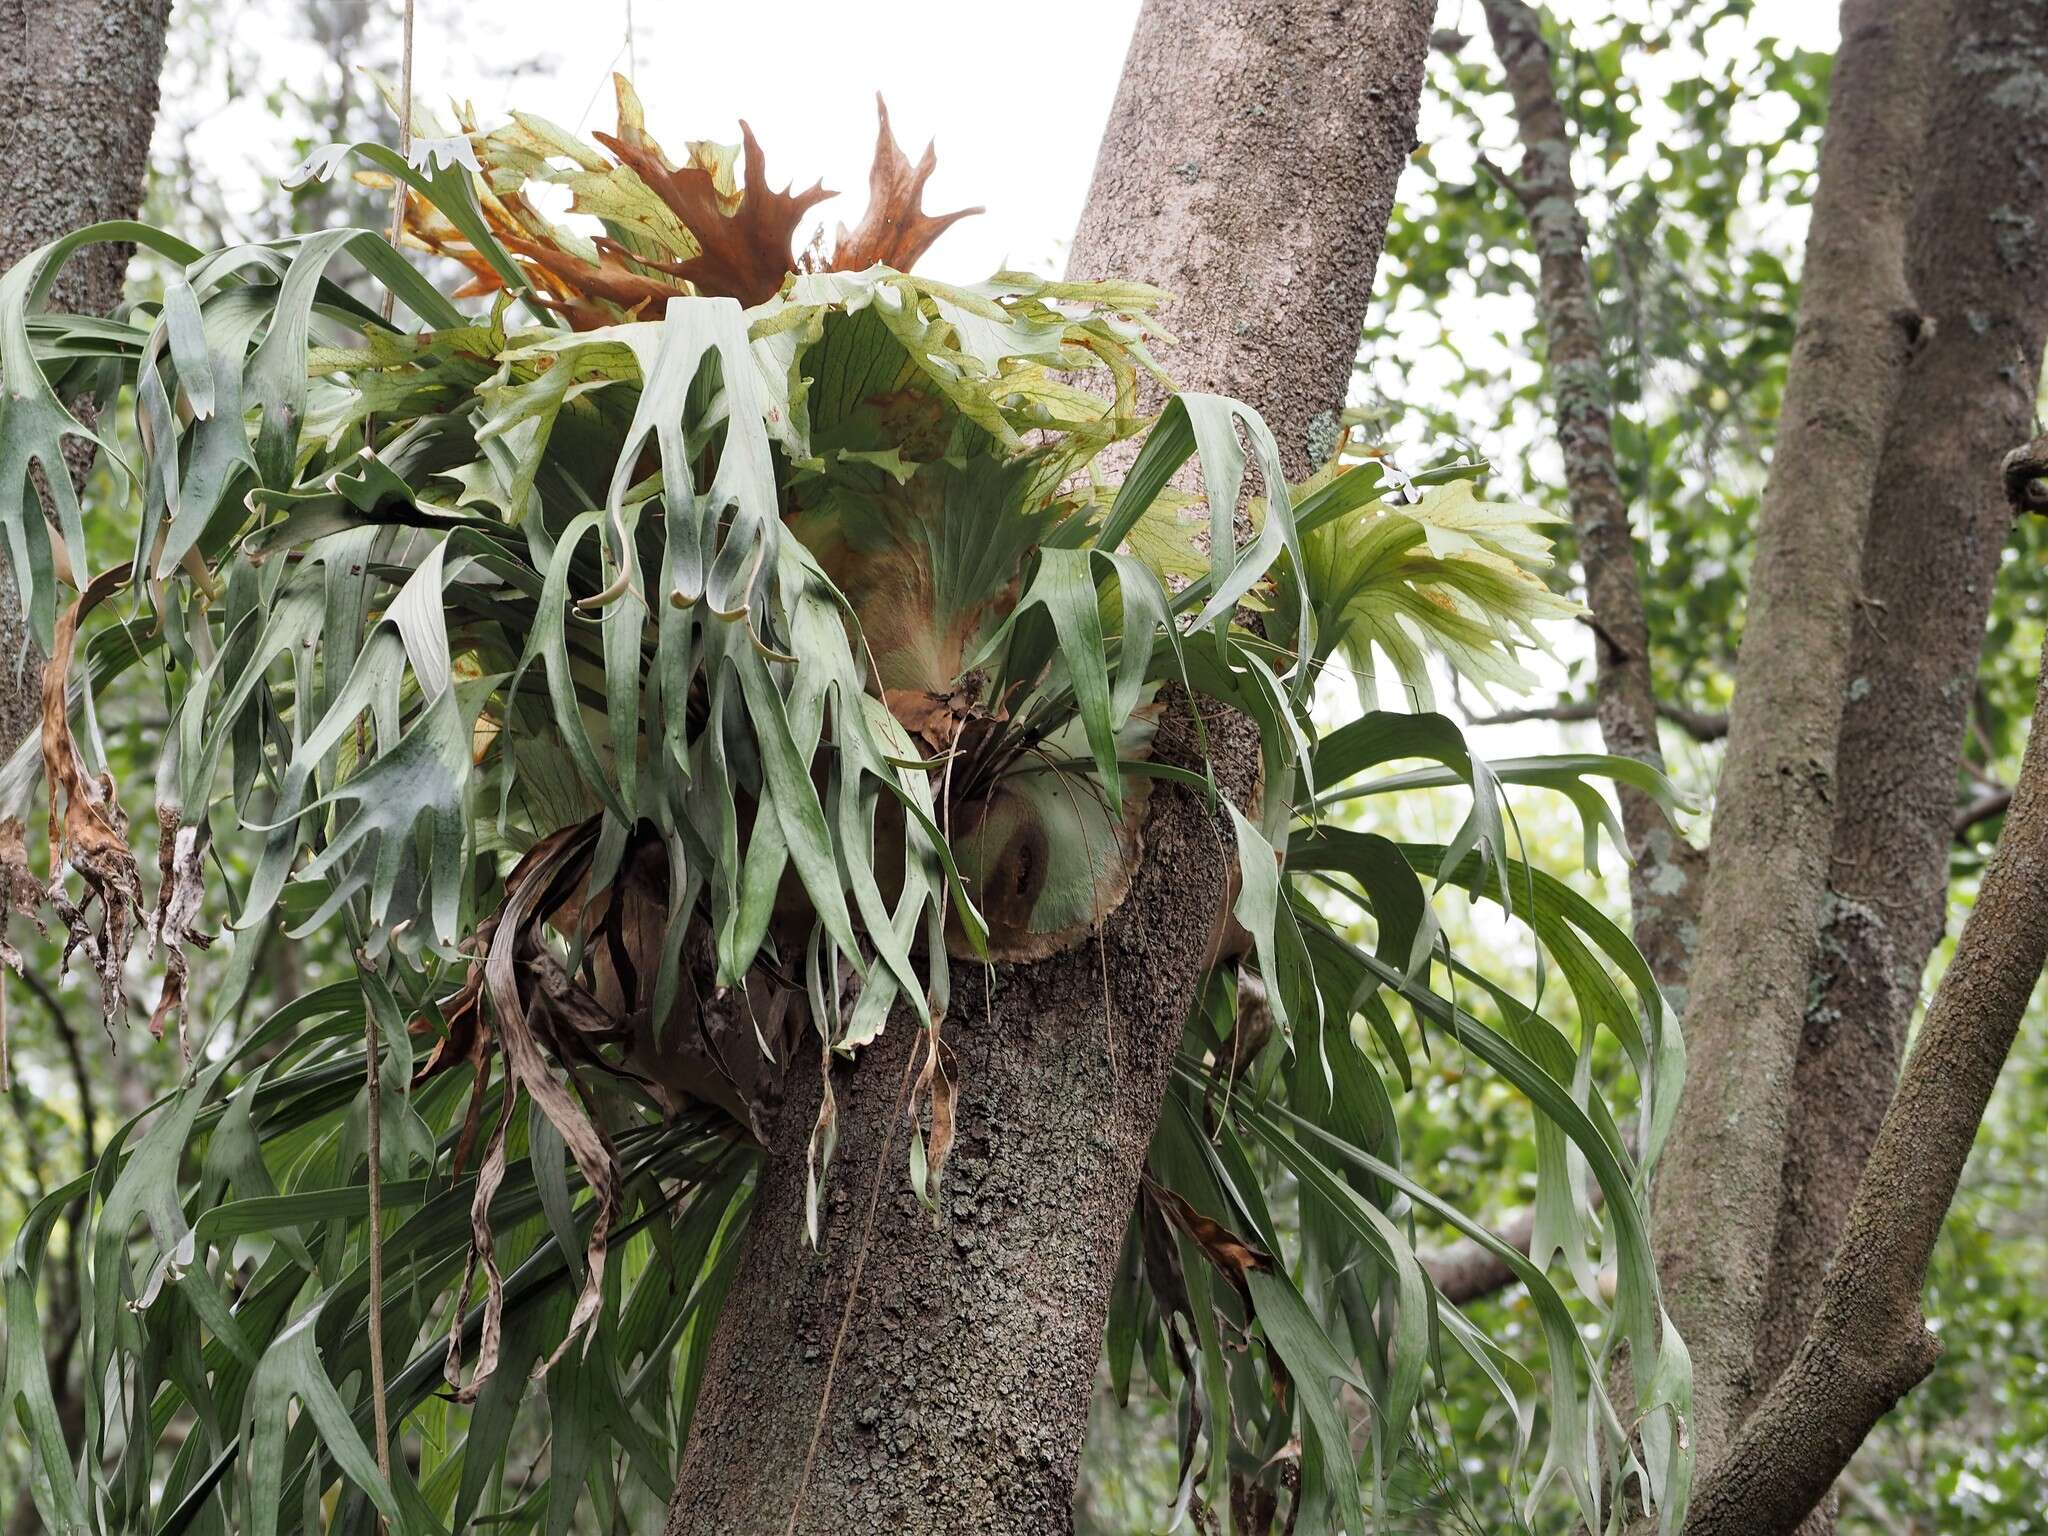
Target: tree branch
<point>1469,1271</point>
<point>1665,874</point>
<point>75,1056</point>
<point>1699,724</point>
<point>1992,802</point>
<point>1869,1344</point>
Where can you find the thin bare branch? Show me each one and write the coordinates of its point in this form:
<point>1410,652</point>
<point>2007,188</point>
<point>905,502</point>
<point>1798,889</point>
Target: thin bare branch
<point>1992,802</point>
<point>1666,873</point>
<point>1699,724</point>
<point>1469,1271</point>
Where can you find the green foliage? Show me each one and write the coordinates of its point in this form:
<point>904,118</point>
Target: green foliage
<point>656,704</point>
<point>1693,177</point>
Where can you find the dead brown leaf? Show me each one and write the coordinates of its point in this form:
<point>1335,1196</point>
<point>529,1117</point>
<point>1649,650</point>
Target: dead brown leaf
<point>174,927</point>
<point>938,1084</point>
<point>89,831</point>
<point>896,230</point>
<point>1231,1254</point>
<point>748,245</point>
<point>20,892</point>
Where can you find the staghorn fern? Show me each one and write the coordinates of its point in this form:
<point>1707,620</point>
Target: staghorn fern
<point>660,700</point>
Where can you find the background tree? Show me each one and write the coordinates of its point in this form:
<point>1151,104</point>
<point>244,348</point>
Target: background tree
<point>81,83</point>
<point>1914,657</point>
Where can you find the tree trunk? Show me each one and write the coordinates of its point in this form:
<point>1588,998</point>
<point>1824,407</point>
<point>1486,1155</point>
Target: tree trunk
<point>80,84</point>
<point>1249,165</point>
<point>1666,873</point>
<point>1869,1344</point>
<point>80,78</point>
<point>962,1384</point>
<point>1248,168</point>
<point>1718,1192</point>
<point>1939,524</point>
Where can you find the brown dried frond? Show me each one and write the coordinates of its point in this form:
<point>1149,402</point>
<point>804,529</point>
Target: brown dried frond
<point>738,232</point>
<point>748,243</point>
<point>896,230</point>
<point>89,831</point>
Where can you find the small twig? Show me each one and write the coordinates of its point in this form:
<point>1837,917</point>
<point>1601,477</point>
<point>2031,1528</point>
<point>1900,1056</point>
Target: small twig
<point>1616,651</point>
<point>75,1055</point>
<point>1502,177</point>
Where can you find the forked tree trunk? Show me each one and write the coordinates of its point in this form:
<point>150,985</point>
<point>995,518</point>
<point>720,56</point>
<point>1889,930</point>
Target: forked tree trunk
<point>1249,166</point>
<point>1939,525</point>
<point>1869,1343</point>
<point>1717,1196</point>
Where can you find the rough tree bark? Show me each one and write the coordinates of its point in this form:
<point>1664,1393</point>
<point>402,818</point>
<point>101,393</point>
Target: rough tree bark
<point>1667,874</point>
<point>1938,527</point>
<point>961,1394</point>
<point>80,84</point>
<point>79,79</point>
<point>1249,166</point>
<point>1717,1198</point>
<point>1869,1344</point>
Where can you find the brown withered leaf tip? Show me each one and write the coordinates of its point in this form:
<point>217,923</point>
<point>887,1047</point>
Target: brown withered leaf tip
<point>1231,1254</point>
<point>89,830</point>
<point>556,1030</point>
<point>88,836</point>
<point>181,891</point>
<point>937,1087</point>
<point>744,237</point>
<point>896,230</point>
